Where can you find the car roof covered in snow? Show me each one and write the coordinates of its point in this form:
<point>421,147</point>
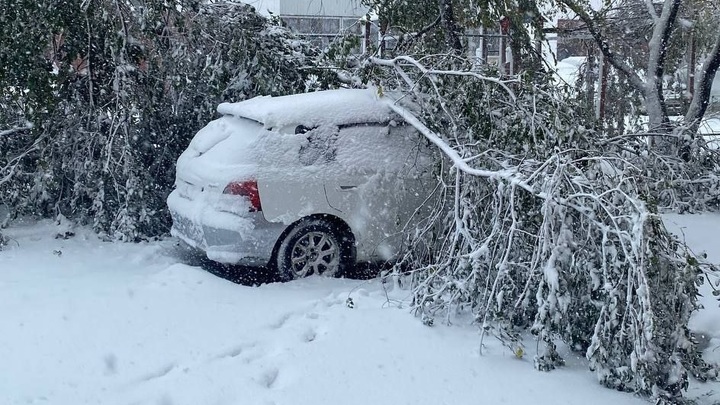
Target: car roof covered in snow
<point>338,107</point>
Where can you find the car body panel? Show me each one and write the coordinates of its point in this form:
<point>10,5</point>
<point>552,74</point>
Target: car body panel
<point>287,200</point>
<point>224,236</point>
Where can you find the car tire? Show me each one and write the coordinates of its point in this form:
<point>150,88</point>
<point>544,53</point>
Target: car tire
<point>314,246</point>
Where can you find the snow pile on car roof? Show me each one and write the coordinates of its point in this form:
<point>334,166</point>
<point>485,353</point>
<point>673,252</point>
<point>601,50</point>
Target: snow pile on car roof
<point>344,106</point>
<point>222,151</point>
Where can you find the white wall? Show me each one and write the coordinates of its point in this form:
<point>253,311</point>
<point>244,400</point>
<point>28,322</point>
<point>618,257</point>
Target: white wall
<point>343,8</point>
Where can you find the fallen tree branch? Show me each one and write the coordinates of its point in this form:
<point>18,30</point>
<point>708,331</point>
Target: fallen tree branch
<point>10,131</point>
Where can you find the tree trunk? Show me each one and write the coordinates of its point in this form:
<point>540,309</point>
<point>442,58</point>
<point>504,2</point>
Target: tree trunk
<point>651,85</point>
<point>654,99</point>
<point>703,86</point>
<point>452,31</point>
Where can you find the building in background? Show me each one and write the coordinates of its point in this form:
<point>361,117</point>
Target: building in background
<point>264,7</point>
<point>317,20</point>
<point>573,39</point>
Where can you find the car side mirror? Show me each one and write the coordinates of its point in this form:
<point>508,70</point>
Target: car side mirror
<point>302,129</point>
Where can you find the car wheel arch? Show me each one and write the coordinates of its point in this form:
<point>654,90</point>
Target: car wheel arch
<point>335,221</point>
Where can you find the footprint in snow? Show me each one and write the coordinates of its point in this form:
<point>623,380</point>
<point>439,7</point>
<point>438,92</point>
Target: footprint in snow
<point>281,321</point>
<point>165,400</point>
<point>309,335</point>
<point>332,300</point>
<point>232,352</point>
<point>162,372</point>
<point>110,362</point>
<point>269,377</point>
<point>243,351</point>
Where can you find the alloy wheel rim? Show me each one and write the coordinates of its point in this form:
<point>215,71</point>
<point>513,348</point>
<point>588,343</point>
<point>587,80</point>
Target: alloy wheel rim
<point>314,253</point>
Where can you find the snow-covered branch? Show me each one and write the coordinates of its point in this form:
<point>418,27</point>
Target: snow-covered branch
<point>395,62</point>
<point>557,241</point>
<point>651,9</point>
<point>26,126</point>
<point>11,167</point>
<point>457,160</point>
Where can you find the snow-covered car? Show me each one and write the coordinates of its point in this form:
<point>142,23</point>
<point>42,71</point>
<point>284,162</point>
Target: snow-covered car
<point>305,184</point>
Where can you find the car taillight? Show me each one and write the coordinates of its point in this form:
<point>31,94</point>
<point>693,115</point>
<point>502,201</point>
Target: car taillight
<point>247,189</point>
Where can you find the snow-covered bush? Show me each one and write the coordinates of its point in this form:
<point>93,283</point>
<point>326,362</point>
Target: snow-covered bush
<point>548,229</point>
<point>114,93</point>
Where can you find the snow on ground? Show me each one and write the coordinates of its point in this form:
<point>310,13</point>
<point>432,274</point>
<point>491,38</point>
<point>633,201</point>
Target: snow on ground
<point>88,322</point>
<point>702,235</point>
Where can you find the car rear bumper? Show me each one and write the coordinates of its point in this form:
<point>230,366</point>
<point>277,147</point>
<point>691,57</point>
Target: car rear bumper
<point>225,237</point>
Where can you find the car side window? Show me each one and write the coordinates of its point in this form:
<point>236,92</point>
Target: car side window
<point>365,147</point>
<point>320,145</point>
<point>420,152</point>
<point>372,147</point>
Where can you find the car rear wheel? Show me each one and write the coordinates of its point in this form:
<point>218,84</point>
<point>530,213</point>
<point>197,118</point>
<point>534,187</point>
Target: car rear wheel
<point>314,246</point>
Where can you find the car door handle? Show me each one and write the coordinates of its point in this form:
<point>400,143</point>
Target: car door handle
<point>347,188</point>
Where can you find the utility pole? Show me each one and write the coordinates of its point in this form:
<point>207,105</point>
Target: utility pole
<point>604,66</point>
<point>483,46</point>
<point>590,75</point>
<point>691,53</point>
<point>504,31</point>
<point>367,26</point>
